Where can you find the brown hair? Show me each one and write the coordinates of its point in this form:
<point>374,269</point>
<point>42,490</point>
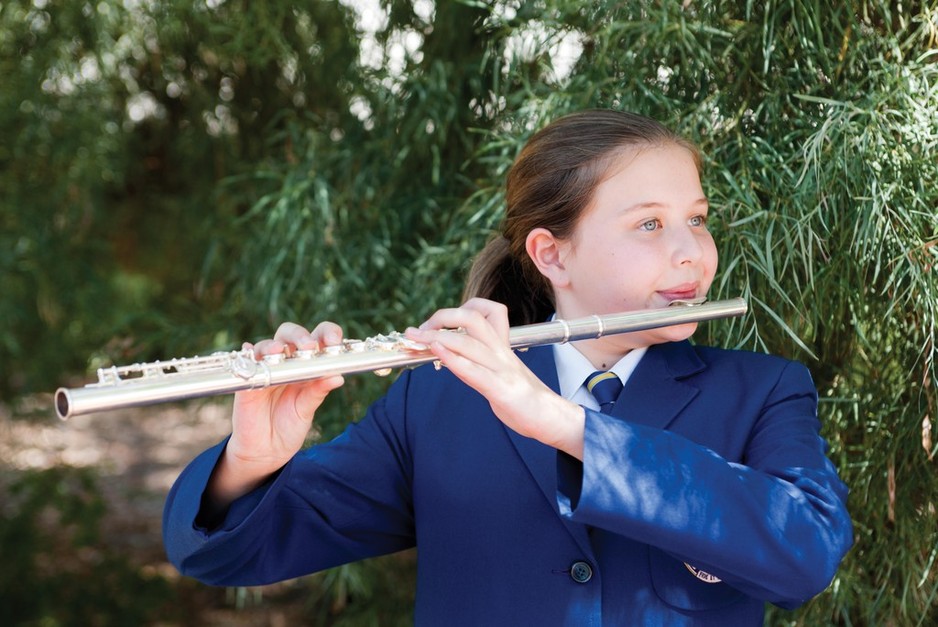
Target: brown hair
<point>550,185</point>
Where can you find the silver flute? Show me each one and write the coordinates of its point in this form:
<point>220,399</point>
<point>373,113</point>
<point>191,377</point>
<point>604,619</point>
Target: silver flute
<point>228,372</point>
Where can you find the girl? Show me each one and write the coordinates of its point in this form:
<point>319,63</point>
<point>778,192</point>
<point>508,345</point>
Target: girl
<point>702,493</point>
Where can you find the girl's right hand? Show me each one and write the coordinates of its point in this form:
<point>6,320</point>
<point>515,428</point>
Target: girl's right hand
<point>270,425</point>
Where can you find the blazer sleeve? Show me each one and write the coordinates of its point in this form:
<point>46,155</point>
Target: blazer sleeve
<point>331,504</point>
<point>774,526</point>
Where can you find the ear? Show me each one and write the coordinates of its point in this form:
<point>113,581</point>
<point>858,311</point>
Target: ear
<point>547,252</point>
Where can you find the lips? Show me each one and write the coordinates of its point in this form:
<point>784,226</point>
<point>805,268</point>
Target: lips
<point>685,291</point>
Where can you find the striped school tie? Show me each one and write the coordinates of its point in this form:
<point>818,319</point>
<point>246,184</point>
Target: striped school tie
<point>605,388</point>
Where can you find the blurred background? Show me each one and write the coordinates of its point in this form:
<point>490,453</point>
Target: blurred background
<point>179,176</point>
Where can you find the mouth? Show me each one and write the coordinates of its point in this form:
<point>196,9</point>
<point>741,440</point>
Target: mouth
<point>686,291</point>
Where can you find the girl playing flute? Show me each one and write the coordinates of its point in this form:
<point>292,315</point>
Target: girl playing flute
<point>692,496</point>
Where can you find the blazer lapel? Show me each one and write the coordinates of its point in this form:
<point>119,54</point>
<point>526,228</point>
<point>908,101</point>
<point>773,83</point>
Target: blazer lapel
<point>655,393</point>
<point>653,396</point>
<point>541,459</point>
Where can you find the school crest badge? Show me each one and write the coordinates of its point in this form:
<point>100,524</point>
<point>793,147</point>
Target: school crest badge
<point>702,575</point>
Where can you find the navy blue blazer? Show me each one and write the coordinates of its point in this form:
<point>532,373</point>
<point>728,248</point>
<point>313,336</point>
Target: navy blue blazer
<point>704,495</point>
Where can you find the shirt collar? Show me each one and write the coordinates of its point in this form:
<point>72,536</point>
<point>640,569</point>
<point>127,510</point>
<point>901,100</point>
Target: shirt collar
<point>573,367</point>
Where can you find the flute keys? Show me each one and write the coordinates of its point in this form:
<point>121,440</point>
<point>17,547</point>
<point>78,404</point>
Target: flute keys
<point>243,365</point>
<point>411,345</point>
<point>383,343</point>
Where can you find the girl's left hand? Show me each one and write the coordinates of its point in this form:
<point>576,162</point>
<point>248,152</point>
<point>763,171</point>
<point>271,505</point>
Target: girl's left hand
<point>481,356</point>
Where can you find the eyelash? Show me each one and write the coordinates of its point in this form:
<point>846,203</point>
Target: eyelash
<point>656,223</point>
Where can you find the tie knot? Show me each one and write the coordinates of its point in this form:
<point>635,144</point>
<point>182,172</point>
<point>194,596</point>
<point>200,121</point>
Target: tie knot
<point>605,388</point>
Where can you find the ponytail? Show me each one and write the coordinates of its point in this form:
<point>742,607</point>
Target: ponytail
<point>497,275</point>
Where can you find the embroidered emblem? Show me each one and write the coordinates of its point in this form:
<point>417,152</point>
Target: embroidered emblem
<point>702,575</point>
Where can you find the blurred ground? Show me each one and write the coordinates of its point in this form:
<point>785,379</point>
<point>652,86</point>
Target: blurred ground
<point>136,455</point>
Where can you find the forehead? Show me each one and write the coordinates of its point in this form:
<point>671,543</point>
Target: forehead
<point>648,155</point>
<point>667,174</point>
<point>663,174</point>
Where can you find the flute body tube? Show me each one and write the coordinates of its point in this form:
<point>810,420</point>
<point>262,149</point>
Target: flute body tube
<point>225,373</point>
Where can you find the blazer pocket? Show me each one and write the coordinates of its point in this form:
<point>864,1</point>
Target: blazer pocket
<point>677,585</point>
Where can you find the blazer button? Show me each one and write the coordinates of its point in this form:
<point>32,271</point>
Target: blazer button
<point>581,572</point>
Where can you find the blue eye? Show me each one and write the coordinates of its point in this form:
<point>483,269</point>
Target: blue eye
<point>700,220</point>
<point>650,225</point>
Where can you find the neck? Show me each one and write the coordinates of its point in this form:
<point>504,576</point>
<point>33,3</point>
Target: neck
<point>600,354</point>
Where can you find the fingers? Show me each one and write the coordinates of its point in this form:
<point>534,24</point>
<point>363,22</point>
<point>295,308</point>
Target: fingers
<point>291,337</point>
<point>481,356</point>
<point>496,314</point>
<point>483,340</point>
<point>481,318</point>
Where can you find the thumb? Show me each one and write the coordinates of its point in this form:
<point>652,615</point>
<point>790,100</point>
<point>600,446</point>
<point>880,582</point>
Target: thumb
<point>309,399</point>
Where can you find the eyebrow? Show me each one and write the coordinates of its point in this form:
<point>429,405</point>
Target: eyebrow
<point>655,205</point>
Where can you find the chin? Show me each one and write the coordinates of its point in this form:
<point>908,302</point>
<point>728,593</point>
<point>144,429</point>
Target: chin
<point>674,333</point>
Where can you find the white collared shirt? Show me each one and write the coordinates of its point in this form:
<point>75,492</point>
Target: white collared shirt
<point>573,368</point>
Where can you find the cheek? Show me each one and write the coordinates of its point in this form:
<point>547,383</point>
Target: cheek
<point>711,256</point>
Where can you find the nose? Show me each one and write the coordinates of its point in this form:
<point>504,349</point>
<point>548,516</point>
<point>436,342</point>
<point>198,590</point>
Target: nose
<point>686,246</point>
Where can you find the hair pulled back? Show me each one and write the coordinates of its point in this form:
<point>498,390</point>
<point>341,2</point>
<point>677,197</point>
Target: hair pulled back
<point>550,185</point>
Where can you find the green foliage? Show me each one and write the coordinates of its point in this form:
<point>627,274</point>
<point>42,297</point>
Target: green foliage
<point>55,572</point>
<point>378,593</point>
<point>179,176</point>
<point>119,120</point>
